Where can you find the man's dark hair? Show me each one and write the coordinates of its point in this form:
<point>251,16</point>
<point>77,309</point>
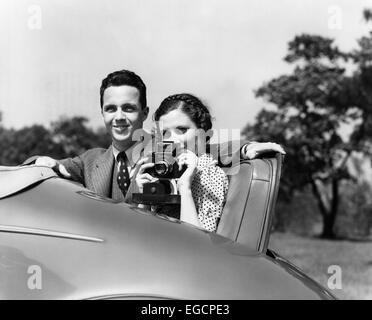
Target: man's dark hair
<point>124,78</point>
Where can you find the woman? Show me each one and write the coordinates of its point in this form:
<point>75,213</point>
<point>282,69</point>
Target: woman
<point>203,186</point>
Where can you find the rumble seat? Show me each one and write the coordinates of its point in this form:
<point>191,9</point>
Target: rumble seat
<point>249,209</point>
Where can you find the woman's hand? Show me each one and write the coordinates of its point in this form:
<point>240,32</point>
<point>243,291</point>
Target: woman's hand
<point>51,163</point>
<point>190,160</point>
<point>188,209</point>
<point>142,177</point>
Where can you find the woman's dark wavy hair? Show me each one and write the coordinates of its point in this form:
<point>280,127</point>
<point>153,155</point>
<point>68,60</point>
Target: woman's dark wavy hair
<point>190,105</point>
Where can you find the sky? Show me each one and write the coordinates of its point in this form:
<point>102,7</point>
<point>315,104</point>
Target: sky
<point>55,53</point>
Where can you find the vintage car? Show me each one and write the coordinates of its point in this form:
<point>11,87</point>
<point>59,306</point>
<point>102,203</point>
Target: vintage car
<point>59,240</point>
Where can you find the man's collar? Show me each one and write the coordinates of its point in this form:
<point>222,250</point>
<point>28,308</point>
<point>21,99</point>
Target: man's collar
<point>128,152</point>
<point>137,150</point>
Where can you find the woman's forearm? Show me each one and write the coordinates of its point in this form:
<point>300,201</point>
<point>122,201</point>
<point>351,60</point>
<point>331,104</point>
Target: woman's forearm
<point>188,209</point>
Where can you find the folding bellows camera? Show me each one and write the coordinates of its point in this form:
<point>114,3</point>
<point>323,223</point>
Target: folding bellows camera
<point>167,170</point>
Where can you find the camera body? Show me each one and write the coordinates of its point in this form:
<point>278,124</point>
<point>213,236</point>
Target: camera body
<point>164,159</point>
<point>167,170</point>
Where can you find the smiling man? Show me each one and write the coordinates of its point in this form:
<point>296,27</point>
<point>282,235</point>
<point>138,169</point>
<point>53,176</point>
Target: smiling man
<point>109,172</point>
<point>123,107</point>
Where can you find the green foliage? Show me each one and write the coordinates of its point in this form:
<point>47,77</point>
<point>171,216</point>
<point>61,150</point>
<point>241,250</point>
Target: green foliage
<point>75,137</point>
<point>17,145</point>
<point>308,117</point>
<point>326,90</point>
<point>67,137</point>
<point>367,14</point>
<point>355,217</point>
<point>312,48</point>
<point>300,216</point>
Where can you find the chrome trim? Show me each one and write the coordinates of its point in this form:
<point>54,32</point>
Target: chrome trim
<point>48,233</point>
<point>128,296</point>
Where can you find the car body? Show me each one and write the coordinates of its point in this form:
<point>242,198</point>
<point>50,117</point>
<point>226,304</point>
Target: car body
<point>84,246</point>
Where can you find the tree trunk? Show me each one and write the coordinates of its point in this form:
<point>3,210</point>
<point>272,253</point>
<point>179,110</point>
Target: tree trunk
<point>328,224</point>
<point>330,218</point>
<point>328,212</point>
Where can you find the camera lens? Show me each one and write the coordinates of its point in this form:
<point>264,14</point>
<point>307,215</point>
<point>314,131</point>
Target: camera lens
<point>162,168</point>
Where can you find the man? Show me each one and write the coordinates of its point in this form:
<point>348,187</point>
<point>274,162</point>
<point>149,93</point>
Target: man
<point>124,109</point>
<point>109,172</point>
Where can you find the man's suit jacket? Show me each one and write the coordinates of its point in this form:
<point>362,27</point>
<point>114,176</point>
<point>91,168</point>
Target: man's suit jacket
<point>96,169</point>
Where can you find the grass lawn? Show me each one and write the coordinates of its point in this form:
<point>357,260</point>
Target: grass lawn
<point>313,256</point>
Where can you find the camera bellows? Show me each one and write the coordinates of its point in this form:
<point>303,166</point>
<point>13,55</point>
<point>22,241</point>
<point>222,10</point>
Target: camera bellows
<point>123,174</point>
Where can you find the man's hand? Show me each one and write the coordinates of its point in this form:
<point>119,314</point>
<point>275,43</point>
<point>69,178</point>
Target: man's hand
<point>254,149</point>
<point>51,163</point>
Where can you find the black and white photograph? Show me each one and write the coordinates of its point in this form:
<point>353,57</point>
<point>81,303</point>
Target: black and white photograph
<point>182,150</point>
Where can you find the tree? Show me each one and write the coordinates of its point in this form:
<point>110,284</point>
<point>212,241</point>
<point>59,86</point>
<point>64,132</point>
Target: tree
<point>312,103</point>
<point>68,137</point>
<point>18,145</point>
<point>76,137</point>
<point>359,90</point>
<point>355,217</point>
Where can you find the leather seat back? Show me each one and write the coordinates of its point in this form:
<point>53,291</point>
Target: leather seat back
<point>249,209</point>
